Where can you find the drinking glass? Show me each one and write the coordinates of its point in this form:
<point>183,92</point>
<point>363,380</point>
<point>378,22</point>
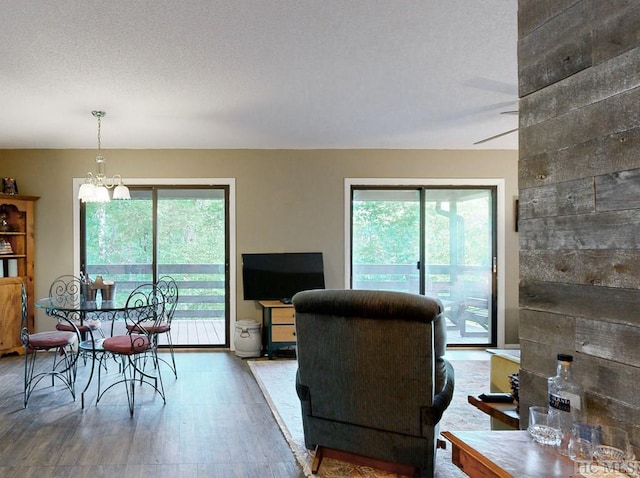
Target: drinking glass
<point>540,429</point>
<point>613,445</point>
<point>584,439</point>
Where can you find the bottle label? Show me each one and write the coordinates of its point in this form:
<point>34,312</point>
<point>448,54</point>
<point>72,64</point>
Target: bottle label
<point>565,402</point>
<point>559,403</point>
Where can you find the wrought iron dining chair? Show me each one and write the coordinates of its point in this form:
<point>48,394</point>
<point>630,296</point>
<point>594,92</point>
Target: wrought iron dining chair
<point>69,287</point>
<point>144,312</point>
<point>169,288</point>
<point>59,343</point>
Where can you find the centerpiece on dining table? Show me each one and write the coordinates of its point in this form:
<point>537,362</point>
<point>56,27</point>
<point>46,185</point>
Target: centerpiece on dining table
<point>90,288</point>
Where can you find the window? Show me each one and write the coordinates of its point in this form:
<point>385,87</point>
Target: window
<point>178,231</point>
<point>439,241</point>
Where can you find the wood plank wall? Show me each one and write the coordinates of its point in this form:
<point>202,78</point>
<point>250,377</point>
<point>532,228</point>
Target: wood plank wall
<point>579,199</point>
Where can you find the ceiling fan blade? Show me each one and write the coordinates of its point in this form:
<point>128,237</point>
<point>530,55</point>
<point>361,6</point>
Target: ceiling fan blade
<point>496,136</point>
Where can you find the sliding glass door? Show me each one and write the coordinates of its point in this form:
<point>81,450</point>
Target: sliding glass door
<point>436,241</point>
<point>181,232</point>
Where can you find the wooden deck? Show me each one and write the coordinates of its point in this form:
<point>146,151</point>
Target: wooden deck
<point>210,333</point>
<point>193,333</point>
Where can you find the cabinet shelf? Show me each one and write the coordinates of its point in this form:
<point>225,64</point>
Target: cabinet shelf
<point>17,215</point>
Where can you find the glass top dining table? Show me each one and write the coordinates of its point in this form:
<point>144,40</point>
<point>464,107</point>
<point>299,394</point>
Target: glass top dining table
<point>75,303</point>
<point>74,309</point>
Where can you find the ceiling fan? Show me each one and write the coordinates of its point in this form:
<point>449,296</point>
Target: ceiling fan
<point>511,112</point>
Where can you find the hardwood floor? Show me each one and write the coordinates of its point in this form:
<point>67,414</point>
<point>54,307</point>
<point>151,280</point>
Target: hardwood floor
<point>216,423</point>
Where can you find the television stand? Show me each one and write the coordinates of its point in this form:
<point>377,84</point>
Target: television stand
<point>278,326</point>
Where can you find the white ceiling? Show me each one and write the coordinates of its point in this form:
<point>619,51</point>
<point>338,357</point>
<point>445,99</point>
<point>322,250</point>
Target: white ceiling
<point>269,74</point>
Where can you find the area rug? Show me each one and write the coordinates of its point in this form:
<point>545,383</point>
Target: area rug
<point>276,379</point>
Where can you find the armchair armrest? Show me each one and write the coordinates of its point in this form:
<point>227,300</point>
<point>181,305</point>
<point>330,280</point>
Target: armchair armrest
<point>431,415</point>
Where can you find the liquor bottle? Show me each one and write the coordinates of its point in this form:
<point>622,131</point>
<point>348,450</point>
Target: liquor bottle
<point>566,401</point>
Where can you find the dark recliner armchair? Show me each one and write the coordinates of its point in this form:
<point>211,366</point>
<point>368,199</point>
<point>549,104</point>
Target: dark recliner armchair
<point>371,379</point>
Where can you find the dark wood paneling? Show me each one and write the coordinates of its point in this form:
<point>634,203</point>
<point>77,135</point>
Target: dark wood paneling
<point>533,13</point>
<point>607,410</point>
<point>579,179</point>
<point>569,197</point>
<point>598,303</point>
<point>611,391</point>
<point>613,152</point>
<point>609,340</point>
<point>565,41</point>
<point>618,191</point>
<point>602,267</point>
<point>618,28</point>
<point>555,331</point>
<point>572,36</point>
<point>543,359</point>
<point>603,81</point>
<point>607,230</point>
<point>612,115</point>
<point>618,381</point>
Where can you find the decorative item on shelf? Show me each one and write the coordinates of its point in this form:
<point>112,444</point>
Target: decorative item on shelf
<point>514,381</point>
<point>9,186</point>
<point>4,224</point>
<point>5,247</point>
<point>12,266</point>
<point>96,187</point>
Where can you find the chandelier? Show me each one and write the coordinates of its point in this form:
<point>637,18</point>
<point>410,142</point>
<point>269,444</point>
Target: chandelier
<point>96,187</point>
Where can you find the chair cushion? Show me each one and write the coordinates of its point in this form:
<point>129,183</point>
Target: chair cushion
<point>85,327</point>
<point>51,339</point>
<point>126,344</point>
<point>149,327</point>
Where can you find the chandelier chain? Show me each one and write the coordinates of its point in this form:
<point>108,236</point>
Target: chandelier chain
<point>99,137</point>
<point>98,115</point>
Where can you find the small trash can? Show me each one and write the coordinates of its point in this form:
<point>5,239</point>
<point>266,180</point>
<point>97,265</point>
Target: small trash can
<point>247,339</point>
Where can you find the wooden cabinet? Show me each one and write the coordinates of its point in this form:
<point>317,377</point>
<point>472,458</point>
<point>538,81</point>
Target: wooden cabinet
<point>278,325</point>
<point>16,258</point>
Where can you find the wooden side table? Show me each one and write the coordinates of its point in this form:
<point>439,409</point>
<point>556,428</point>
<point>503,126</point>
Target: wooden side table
<point>506,454</point>
<point>504,412</point>
<point>278,326</point>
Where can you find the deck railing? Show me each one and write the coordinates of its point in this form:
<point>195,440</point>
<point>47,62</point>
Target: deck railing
<point>406,277</point>
<point>201,286</point>
<point>203,293</point>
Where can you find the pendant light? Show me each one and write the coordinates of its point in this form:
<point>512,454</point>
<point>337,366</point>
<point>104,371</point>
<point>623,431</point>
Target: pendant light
<point>96,186</point>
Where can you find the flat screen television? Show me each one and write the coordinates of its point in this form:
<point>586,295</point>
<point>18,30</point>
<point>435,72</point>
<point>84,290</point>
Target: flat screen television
<point>280,275</point>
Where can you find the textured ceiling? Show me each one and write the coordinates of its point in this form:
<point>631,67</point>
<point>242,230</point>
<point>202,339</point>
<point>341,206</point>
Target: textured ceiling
<point>267,74</point>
